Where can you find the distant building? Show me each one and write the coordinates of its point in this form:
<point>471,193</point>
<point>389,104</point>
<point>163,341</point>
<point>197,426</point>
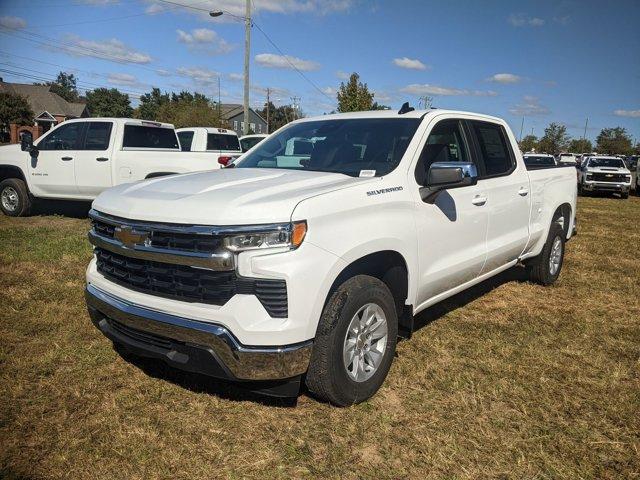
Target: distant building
<point>233,113</point>
<point>49,109</point>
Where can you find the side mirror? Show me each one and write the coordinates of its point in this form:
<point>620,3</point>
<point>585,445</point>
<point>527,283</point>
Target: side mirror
<point>447,175</point>
<point>26,143</point>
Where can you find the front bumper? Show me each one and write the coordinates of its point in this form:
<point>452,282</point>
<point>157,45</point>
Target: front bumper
<point>192,345</point>
<point>606,187</point>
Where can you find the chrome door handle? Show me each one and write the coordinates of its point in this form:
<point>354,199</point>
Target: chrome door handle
<point>479,200</point>
<point>66,159</point>
<point>523,192</point>
<point>102,159</point>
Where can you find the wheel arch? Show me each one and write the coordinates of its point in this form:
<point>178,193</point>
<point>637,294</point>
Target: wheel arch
<point>563,216</point>
<point>11,171</point>
<point>390,267</point>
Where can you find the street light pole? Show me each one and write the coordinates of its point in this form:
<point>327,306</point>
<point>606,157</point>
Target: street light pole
<point>247,55</point>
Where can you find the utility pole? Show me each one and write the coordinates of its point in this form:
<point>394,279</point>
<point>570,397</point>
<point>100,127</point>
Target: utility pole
<point>219,111</point>
<point>521,128</point>
<point>247,55</point>
<point>584,135</point>
<point>296,105</point>
<point>268,92</point>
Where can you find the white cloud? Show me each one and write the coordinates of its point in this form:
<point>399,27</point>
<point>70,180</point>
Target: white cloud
<point>329,91</point>
<point>427,89</point>
<point>155,8</point>
<point>12,23</point>
<point>236,77</point>
<point>122,79</point>
<point>114,49</point>
<point>530,106</point>
<point>205,40</point>
<point>627,113</point>
<point>271,60</point>
<point>504,78</point>
<point>199,75</point>
<point>522,20</point>
<point>342,75</point>
<point>163,73</point>
<point>409,63</point>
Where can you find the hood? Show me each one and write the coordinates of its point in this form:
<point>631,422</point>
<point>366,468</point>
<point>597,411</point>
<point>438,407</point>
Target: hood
<point>607,170</point>
<point>229,196</point>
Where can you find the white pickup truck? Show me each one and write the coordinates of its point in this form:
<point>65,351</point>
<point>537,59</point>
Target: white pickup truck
<point>221,142</point>
<point>316,264</point>
<point>601,173</point>
<point>80,158</point>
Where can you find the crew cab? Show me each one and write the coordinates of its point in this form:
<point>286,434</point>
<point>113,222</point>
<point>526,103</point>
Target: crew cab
<point>602,173</point>
<point>318,263</point>
<point>220,142</point>
<point>78,159</point>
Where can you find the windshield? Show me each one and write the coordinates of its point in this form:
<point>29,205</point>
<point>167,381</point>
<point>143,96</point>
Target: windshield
<point>606,162</point>
<point>218,141</point>
<point>355,147</point>
<point>530,160</point>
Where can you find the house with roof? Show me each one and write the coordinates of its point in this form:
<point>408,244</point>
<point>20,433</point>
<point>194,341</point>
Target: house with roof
<point>49,109</point>
<point>233,114</point>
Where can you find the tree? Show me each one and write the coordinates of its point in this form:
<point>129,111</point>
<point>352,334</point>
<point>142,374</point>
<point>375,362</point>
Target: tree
<point>354,96</point>
<point>150,103</point>
<point>108,102</point>
<point>187,109</point>
<point>554,140</point>
<point>14,109</point>
<point>614,141</point>
<point>65,86</point>
<point>279,116</point>
<point>579,145</point>
<point>379,106</point>
<point>529,143</point>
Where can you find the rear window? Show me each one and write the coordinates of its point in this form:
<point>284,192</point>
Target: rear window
<point>186,139</point>
<point>218,141</point>
<point>98,135</point>
<point>534,161</point>
<point>142,136</point>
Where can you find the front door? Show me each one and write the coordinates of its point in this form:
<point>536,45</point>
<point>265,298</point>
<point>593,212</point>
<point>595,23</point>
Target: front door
<point>52,172</point>
<point>452,230</point>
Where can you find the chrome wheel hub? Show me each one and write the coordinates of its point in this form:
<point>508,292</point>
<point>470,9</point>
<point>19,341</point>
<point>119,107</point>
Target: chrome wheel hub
<point>365,342</point>
<point>10,199</point>
<point>556,256</point>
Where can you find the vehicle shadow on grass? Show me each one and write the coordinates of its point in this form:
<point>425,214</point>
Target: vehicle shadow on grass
<point>66,208</point>
<point>198,383</point>
<point>459,300</point>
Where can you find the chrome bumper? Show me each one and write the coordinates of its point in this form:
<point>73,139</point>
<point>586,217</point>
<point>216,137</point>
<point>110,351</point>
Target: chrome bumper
<point>239,362</point>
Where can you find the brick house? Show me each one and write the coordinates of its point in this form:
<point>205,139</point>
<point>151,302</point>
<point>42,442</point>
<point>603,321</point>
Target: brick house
<point>49,109</point>
<point>233,114</point>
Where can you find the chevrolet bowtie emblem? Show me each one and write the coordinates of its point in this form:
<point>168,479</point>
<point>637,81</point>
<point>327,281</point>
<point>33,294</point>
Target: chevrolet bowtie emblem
<point>130,237</point>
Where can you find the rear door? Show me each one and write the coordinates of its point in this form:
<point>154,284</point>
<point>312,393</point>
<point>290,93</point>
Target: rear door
<point>505,182</point>
<point>93,163</point>
<point>52,172</point>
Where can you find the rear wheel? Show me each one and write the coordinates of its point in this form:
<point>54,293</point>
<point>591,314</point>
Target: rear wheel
<point>355,342</point>
<point>545,268</point>
<point>14,198</point>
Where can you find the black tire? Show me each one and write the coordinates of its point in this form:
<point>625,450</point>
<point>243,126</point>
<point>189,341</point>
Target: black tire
<point>539,267</point>
<point>327,377</point>
<point>624,195</point>
<point>14,198</point>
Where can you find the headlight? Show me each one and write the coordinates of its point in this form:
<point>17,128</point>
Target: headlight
<point>286,235</point>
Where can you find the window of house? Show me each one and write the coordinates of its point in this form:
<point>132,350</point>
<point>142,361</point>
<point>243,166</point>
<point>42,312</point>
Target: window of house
<point>259,128</point>
<point>65,137</point>
<point>242,126</point>
<point>252,126</point>
<point>235,125</point>
<point>98,136</point>
<point>494,148</point>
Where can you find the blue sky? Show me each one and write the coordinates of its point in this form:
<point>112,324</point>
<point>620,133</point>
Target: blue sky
<point>549,61</point>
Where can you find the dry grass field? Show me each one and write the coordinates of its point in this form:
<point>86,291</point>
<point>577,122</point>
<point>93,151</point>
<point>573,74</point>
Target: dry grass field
<point>509,380</point>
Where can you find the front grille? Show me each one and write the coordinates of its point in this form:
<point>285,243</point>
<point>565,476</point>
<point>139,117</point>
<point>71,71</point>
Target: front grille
<point>189,284</point>
<point>608,177</point>
<point>186,242</point>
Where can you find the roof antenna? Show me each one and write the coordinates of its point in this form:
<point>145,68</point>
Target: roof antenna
<point>405,108</point>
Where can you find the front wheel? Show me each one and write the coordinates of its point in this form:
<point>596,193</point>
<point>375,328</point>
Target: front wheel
<point>545,268</point>
<point>355,342</point>
<point>14,198</point>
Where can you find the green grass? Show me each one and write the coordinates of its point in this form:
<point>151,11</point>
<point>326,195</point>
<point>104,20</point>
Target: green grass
<point>508,380</point>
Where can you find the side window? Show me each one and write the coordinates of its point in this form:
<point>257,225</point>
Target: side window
<point>446,143</point>
<point>98,136</point>
<point>186,139</point>
<point>65,137</point>
<point>494,148</point>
